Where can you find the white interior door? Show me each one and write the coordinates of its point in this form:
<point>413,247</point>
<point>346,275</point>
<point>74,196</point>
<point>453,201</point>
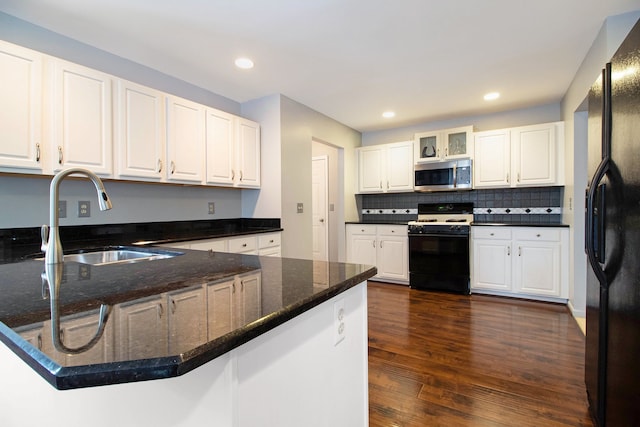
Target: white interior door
<point>320,212</point>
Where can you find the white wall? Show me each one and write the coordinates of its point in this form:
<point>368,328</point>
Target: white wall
<point>612,33</point>
<point>25,200</point>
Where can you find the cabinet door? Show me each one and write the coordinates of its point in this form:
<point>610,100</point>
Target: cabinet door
<point>363,249</point>
<point>220,147</point>
<point>187,324</point>
<point>220,309</point>
<point>491,264</point>
<point>77,332</point>
<point>537,268</point>
<point>393,257</point>
<point>458,142</point>
<point>142,329</point>
<point>427,147</point>
<point>140,132</point>
<point>251,296</point>
<point>81,119</point>
<point>399,159</point>
<point>371,170</point>
<point>20,109</point>
<point>534,155</point>
<point>492,160</point>
<point>248,153</point>
<point>185,140</point>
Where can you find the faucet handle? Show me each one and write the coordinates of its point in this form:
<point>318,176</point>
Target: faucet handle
<point>44,235</point>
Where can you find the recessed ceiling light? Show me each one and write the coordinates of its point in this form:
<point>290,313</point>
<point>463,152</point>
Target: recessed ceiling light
<point>388,114</point>
<point>491,96</point>
<point>244,63</point>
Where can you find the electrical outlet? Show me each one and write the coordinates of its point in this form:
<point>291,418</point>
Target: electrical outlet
<point>300,208</point>
<point>84,209</point>
<point>212,208</point>
<point>339,320</point>
<point>62,209</point>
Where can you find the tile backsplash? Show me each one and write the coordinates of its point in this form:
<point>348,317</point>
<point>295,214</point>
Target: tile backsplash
<point>506,205</point>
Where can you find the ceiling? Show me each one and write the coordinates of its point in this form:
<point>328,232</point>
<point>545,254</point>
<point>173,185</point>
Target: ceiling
<point>351,60</point>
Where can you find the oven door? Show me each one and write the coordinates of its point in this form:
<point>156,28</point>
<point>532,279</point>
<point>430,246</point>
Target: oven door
<point>439,262</point>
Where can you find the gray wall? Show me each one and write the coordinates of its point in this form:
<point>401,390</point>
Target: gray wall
<point>612,33</point>
<point>522,117</point>
<point>24,200</point>
<point>300,125</point>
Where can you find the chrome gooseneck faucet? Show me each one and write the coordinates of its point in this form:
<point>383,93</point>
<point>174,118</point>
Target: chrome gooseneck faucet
<point>51,244</point>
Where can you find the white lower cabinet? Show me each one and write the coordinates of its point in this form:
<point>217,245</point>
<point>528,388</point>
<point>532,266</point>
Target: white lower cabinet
<point>383,245</point>
<point>265,244</point>
<point>521,261</point>
<point>138,319</point>
<point>184,333</point>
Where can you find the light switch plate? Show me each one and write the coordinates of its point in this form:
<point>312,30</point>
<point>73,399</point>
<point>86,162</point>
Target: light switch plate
<point>212,208</point>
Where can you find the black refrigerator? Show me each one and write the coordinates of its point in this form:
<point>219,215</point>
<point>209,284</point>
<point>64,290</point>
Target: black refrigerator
<point>612,356</point>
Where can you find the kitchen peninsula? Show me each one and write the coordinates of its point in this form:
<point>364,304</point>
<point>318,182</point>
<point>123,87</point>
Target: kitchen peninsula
<point>199,338</point>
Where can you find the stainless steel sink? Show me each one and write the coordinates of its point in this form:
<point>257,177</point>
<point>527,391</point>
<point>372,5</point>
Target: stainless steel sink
<point>119,256</point>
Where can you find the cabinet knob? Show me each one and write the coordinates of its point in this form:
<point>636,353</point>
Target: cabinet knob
<point>491,234</point>
<point>244,245</point>
<point>538,235</point>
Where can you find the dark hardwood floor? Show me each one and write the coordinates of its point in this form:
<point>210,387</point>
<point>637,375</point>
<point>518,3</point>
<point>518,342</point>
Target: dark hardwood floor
<point>438,359</point>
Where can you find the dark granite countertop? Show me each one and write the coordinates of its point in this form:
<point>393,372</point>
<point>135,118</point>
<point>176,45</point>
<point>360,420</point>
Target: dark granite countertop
<point>136,348</point>
<point>518,224</point>
<point>22,243</point>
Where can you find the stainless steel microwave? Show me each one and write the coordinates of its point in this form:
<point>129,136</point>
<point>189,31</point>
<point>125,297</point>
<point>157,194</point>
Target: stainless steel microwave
<point>443,176</point>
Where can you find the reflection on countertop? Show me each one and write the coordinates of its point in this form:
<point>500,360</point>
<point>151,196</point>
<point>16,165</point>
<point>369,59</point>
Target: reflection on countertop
<point>161,318</point>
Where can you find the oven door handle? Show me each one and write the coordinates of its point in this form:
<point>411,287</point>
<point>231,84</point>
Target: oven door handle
<point>458,236</point>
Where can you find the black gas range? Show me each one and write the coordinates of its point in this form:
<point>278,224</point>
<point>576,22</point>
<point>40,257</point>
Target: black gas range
<point>439,247</point>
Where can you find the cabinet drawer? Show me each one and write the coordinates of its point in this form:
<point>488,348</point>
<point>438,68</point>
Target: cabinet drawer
<point>392,230</point>
<point>216,245</point>
<point>242,244</point>
<point>362,229</point>
<point>537,233</point>
<point>268,240</point>
<point>502,233</point>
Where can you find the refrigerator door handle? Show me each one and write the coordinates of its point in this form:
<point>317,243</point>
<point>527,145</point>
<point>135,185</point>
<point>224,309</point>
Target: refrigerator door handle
<point>598,269</point>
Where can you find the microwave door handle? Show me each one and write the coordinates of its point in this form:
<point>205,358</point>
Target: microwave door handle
<point>455,175</point>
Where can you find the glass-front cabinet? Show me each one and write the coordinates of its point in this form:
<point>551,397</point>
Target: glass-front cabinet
<point>443,144</point>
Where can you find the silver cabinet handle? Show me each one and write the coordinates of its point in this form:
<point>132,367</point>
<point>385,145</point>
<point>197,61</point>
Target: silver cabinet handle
<point>39,341</point>
<point>160,310</point>
<point>381,242</point>
<point>38,153</point>
<point>173,167</point>
<point>518,177</point>
<point>508,177</point>
<point>240,175</point>
<point>381,185</point>
<point>233,174</point>
<point>159,165</point>
<point>387,184</point>
<point>174,307</point>
<point>60,157</point>
<point>374,243</point>
<point>519,251</point>
<point>508,250</point>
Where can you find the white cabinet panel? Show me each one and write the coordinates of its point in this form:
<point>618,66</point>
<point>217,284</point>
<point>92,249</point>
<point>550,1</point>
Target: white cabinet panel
<point>220,147</point>
<point>444,144</point>
<point>534,155</point>
<point>248,153</point>
<point>139,319</point>
<point>140,132</point>
<point>492,161</point>
<point>20,109</point>
<point>82,119</point>
<point>383,246</point>
<point>184,334</point>
<point>185,140</point>
<point>385,168</point>
<point>220,308</point>
<point>492,264</point>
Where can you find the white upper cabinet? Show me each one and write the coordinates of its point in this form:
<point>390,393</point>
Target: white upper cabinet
<point>185,140</point>
<point>534,155</point>
<point>385,168</point>
<point>20,109</point>
<point>233,150</point>
<point>248,153</point>
<point>519,157</point>
<point>81,118</point>
<point>443,144</point>
<point>220,147</point>
<point>140,132</point>
<point>492,160</point>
